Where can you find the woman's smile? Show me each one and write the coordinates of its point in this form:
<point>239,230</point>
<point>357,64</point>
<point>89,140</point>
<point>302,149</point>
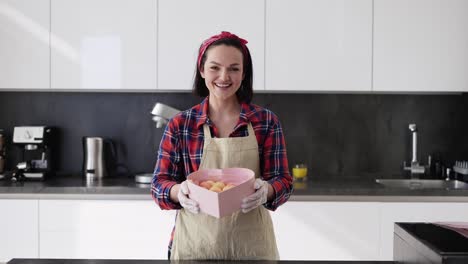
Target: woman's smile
<point>223,85</point>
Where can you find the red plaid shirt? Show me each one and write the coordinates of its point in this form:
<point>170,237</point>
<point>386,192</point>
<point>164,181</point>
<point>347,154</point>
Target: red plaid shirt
<point>181,150</point>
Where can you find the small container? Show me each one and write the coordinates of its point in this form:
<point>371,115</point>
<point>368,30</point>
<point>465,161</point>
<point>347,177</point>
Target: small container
<point>299,172</point>
<point>226,202</point>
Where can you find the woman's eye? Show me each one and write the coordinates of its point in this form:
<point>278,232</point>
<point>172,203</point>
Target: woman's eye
<point>234,69</point>
<point>214,67</point>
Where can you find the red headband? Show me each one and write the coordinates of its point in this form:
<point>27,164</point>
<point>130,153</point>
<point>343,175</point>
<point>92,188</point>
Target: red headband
<point>223,35</point>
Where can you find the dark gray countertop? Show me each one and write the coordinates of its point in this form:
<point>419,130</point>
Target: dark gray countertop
<point>369,190</point>
<point>79,261</point>
<point>67,187</point>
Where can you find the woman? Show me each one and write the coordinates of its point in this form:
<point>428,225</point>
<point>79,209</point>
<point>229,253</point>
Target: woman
<point>224,130</point>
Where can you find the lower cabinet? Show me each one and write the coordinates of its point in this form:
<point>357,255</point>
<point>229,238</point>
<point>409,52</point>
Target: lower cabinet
<point>119,229</point>
<point>139,229</point>
<point>104,229</point>
<point>352,230</point>
<point>327,230</point>
<point>18,229</point>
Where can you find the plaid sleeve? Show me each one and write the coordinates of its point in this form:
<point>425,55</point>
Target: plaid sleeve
<point>167,168</point>
<point>275,164</point>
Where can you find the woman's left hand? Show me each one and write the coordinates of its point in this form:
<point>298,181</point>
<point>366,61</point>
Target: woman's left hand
<point>256,199</point>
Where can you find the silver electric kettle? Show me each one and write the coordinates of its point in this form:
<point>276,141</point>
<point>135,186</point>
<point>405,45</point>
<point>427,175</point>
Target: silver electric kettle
<point>94,158</point>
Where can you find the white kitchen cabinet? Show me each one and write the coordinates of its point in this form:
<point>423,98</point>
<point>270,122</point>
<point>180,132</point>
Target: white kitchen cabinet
<point>138,229</point>
<point>104,229</point>
<point>319,45</point>
<point>421,45</point>
<point>24,44</point>
<point>327,230</point>
<point>19,234</point>
<point>185,24</point>
<point>103,44</point>
<point>415,212</point>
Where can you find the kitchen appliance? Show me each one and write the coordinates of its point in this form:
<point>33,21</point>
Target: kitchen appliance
<point>36,143</point>
<point>161,115</point>
<point>98,158</point>
<point>144,178</point>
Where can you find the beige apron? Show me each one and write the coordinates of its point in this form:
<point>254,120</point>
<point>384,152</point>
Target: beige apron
<point>234,237</point>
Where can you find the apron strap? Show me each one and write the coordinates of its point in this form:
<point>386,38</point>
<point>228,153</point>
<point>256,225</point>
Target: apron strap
<point>207,132</point>
<point>251,130</point>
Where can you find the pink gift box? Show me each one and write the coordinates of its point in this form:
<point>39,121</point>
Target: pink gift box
<point>225,202</point>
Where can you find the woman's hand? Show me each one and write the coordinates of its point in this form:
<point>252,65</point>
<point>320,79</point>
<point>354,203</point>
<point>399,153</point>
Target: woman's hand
<point>261,196</point>
<point>179,193</point>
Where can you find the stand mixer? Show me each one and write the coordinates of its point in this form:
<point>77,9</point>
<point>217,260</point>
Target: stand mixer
<point>161,115</point>
<point>35,142</point>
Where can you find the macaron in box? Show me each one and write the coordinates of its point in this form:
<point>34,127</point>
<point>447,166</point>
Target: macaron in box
<point>219,204</point>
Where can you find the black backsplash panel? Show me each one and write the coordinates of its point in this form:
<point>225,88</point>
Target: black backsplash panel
<point>336,135</point>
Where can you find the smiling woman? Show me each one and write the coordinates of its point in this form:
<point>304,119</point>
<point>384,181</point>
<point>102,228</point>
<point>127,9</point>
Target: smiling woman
<point>224,131</point>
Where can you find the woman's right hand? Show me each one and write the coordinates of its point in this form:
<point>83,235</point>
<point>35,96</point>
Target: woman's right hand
<point>182,197</point>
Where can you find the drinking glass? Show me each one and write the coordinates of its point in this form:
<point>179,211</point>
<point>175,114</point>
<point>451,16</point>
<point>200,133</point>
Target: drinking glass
<point>299,172</point>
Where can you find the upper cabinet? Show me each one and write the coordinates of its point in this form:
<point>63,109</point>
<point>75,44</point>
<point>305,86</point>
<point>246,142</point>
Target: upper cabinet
<point>320,45</point>
<point>296,45</point>
<point>103,44</point>
<point>421,45</point>
<point>24,44</point>
<point>184,24</point>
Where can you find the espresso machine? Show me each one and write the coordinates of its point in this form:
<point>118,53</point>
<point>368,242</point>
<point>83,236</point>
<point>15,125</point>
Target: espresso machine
<point>36,152</point>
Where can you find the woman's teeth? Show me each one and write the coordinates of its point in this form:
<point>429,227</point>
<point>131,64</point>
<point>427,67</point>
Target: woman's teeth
<point>222,85</point>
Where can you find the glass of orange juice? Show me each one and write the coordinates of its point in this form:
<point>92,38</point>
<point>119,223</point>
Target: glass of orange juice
<point>299,172</point>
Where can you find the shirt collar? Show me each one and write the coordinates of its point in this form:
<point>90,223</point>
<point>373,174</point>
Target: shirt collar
<point>202,115</point>
<point>244,118</point>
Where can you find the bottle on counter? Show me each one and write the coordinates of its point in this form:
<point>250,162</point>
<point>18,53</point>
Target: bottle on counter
<point>448,172</point>
<point>430,168</point>
<point>437,167</point>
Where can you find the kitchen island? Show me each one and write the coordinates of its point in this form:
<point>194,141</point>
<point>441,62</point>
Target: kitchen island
<point>97,261</point>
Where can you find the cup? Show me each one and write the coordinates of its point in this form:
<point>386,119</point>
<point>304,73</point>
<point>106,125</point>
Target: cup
<point>299,172</point>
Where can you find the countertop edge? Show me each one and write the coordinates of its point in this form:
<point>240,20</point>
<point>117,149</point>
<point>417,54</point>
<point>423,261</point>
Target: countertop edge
<point>42,196</point>
<point>293,198</point>
<point>375,198</point>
